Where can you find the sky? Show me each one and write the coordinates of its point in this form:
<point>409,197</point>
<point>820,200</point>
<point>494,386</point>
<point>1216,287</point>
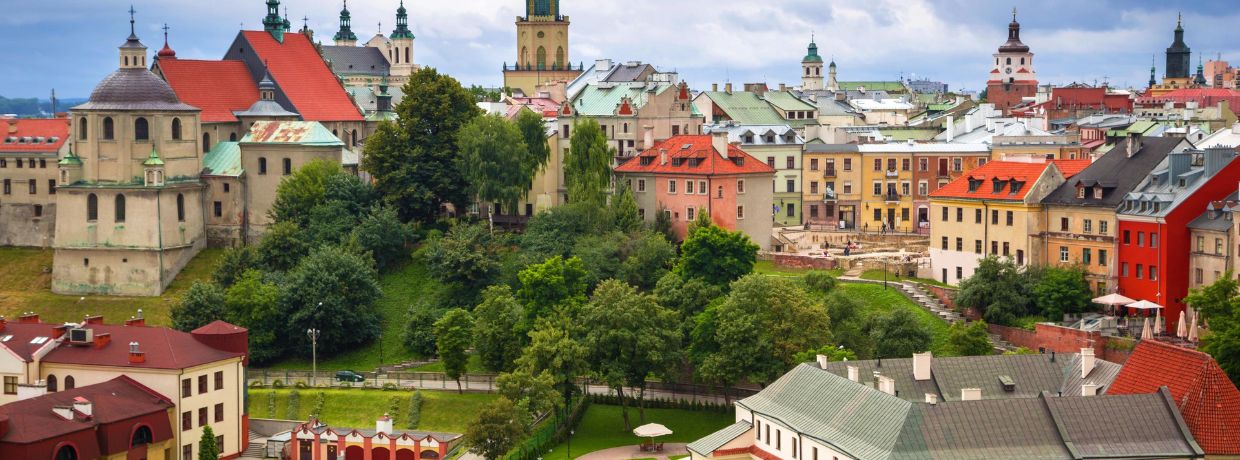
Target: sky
<point>70,45</point>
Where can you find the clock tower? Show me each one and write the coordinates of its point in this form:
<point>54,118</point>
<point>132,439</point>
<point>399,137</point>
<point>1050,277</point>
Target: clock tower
<point>542,48</point>
<point>1012,77</point>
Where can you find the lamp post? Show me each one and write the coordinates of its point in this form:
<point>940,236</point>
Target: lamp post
<point>884,273</point>
<point>314,353</point>
<point>570,444</point>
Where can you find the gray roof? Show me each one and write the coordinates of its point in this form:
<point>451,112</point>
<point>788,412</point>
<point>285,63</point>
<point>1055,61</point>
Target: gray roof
<point>1116,172</point>
<point>1033,374</point>
<point>356,60</point>
<point>630,72</point>
<point>717,439</point>
<point>981,430</point>
<point>267,109</point>
<point>1134,426</point>
<point>1174,180</point>
<point>134,89</point>
<point>855,419</point>
<point>784,134</point>
<point>830,148</point>
<point>1217,216</point>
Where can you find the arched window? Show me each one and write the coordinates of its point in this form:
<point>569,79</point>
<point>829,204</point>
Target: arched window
<point>120,208</point>
<point>176,129</point>
<point>353,138</point>
<point>66,453</point>
<point>1022,61</point>
<point>82,128</point>
<point>69,382</point>
<point>109,128</point>
<point>1009,61</point>
<point>525,55</point>
<point>542,58</point>
<point>180,207</point>
<point>406,55</point>
<point>141,436</point>
<point>336,133</point>
<point>141,130</point>
<point>288,166</point>
<point>92,208</point>
<point>206,142</point>
<point>51,383</point>
<point>559,58</point>
<point>232,137</point>
<point>262,165</point>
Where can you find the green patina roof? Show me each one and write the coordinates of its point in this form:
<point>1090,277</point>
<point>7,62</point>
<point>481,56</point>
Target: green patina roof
<point>153,159</point>
<point>746,108</point>
<point>223,160</point>
<point>598,101</point>
<point>714,441</point>
<point>889,86</point>
<point>1140,126</point>
<point>70,159</point>
<point>785,101</point>
<point>381,116</point>
<point>813,54</point>
<point>290,132</point>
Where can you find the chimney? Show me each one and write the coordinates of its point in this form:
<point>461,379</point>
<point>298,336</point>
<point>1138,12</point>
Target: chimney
<point>932,399</point>
<point>65,412</point>
<point>840,96</point>
<point>96,319</point>
<point>783,87</point>
<point>951,128</point>
<point>1216,158</point>
<point>887,385</point>
<point>647,136</point>
<point>727,88</point>
<point>719,140</point>
<point>136,356</point>
<point>1134,144</point>
<point>921,366</point>
<point>384,424</point>
<point>602,65</point>
<point>1087,361</point>
<point>662,157</point>
<point>59,331</point>
<point>31,390</point>
<point>822,361</point>
<point>854,374</point>
<point>1089,389</point>
<point>83,406</point>
<point>28,318</point>
<point>970,394</point>
<point>102,340</point>
<point>714,87</point>
<point>135,322</point>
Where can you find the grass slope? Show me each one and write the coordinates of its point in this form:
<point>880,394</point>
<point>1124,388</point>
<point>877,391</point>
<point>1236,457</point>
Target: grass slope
<point>877,275</point>
<point>767,267</point>
<point>602,427</point>
<point>877,300</point>
<point>25,285</point>
<point>356,408</point>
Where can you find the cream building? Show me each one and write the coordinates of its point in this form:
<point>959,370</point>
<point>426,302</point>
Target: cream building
<point>542,48</point>
<point>1213,239</point>
<point>29,150</point>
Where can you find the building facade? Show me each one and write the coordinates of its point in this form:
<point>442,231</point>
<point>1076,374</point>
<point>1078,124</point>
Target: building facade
<point>634,114</point>
<point>832,194</point>
<point>1012,79</point>
<point>898,179</point>
<point>780,147</point>
<point>28,155</point>
<point>542,48</point>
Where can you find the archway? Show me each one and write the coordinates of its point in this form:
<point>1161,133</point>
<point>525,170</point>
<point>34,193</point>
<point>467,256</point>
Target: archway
<point>66,452</point>
<point>354,453</point>
<point>405,454</point>
<point>430,455</point>
<point>380,453</point>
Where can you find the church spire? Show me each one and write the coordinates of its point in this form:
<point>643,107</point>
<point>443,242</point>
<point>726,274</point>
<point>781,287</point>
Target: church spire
<point>402,23</point>
<point>345,36</point>
<point>1200,79</point>
<point>133,52</point>
<point>273,23</point>
<point>1153,81</point>
<point>167,52</point>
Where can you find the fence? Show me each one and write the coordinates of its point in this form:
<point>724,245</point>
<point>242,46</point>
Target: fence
<point>548,433</point>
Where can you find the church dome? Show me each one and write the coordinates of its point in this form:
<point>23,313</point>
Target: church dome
<point>133,89</point>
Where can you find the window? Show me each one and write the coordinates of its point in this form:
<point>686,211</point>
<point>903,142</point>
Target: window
<point>1123,269</point>
<point>1009,218</point>
<point>288,166</point>
<point>1218,246</point>
<point>219,443</point>
<point>959,214</point>
<point>848,187</point>
<point>740,186</point>
<point>1102,257</point>
<point>641,185</point>
<point>848,164</point>
<point>904,188</point>
<point>813,187</point>
<point>1140,238</point>
<point>790,162</point>
<point>51,383</point>
<point>770,161</point>
<point>791,185</point>
<point>180,207</point>
<point>120,208</point>
<point>1086,256</point>
<point>1201,243</point>
<point>1005,248</point>
<point>186,388</point>
<point>688,187</point>
<point>1153,240</point>
<point>1140,271</point>
<point>956,165</point>
<point>141,436</point>
<point>1153,273</point>
<point>217,208</point>
<point>977,246</point>
<point>1063,254</point>
<point>702,187</point>
<point>959,273</point>
<point>959,244</point>
<point>994,217</point>
<point>82,128</point>
<point>176,129</point>
<point>878,164</point>
<point>92,208</point>
<point>206,142</point>
<point>109,129</point>
<point>878,188</point>
<point>187,421</point>
<point>945,243</point>
<point>1102,227</point>
<point>923,188</point>
<point>944,208</point>
<point>923,164</point>
<point>740,212</point>
<point>187,451</point>
<point>141,130</point>
<point>219,380</point>
<point>69,383</point>
<point>8,187</point>
<point>977,216</point>
<point>878,215</point>
<point>219,412</point>
<point>792,210</point>
<point>202,384</point>
<point>10,385</point>
<point>813,164</point>
<point>671,186</point>
<point>262,166</point>
<point>202,416</point>
<point>1087,226</point>
<point>1198,274</point>
<point>690,214</point>
<point>1127,237</point>
<point>779,438</point>
<point>994,247</point>
<point>1064,223</point>
<point>51,186</point>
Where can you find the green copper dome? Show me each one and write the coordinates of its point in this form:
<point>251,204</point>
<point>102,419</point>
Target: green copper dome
<point>153,160</point>
<point>813,54</point>
<point>402,23</point>
<point>70,159</point>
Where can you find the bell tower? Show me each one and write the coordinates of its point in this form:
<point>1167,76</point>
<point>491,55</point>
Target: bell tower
<point>542,48</point>
<point>811,68</point>
<point>345,36</point>
<point>133,52</point>
<point>273,23</point>
<point>402,44</point>
<point>1012,78</point>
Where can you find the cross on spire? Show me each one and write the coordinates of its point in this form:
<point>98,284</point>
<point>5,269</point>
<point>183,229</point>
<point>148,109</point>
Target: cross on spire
<point>1013,13</point>
<point>131,27</point>
<point>166,33</point>
<point>305,22</point>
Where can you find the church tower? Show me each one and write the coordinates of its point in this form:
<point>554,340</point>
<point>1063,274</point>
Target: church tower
<point>273,23</point>
<point>345,36</point>
<point>542,48</point>
<point>1012,79</point>
<point>402,44</point>
<point>811,69</point>
<point>1179,55</point>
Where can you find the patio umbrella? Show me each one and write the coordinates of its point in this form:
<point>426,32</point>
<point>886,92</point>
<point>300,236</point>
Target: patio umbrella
<point>651,430</point>
<point>1181,330</point>
<point>1112,300</point>
<point>1144,305</point>
<point>1146,332</point>
<point>1158,327</point>
<point>1192,330</point>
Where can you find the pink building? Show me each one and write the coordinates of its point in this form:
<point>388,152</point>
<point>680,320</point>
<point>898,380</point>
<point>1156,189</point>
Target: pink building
<point>687,175</point>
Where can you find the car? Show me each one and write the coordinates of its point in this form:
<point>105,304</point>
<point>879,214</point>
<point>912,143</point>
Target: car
<point>349,376</point>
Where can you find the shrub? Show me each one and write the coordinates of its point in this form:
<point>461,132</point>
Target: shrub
<point>256,384</point>
<point>319,401</point>
<point>271,404</point>
<point>820,281</point>
<point>394,407</point>
<point>277,383</point>
<point>415,410</point>
<point>300,385</point>
<point>294,406</point>
<point>390,386</point>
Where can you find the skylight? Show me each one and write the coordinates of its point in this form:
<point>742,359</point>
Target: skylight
<point>39,340</point>
<point>6,338</point>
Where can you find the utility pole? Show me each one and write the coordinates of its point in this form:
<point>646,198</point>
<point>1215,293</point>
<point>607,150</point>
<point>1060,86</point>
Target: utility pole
<point>314,353</point>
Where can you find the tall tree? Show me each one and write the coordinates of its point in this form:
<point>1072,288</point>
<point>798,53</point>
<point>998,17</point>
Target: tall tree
<point>624,210</point>
<point>537,151</point>
<point>332,290</point>
<point>554,349</point>
<point>1218,304</point>
<point>301,191</point>
<point>898,335</point>
<point>970,339</point>
<point>717,255</point>
<point>648,256</point>
<point>534,394</point>
<point>453,335</point>
<point>235,261</point>
<point>498,428</point>
<point>201,304</point>
<point>383,234</point>
<point>412,160</point>
<point>587,167</point>
<point>255,304</point>
<point>554,286</point>
<point>998,289</point>
<point>207,448</point>
<point>629,337</point>
<point>492,161</point>
<point>467,257</point>
<point>282,246</point>
<point>1062,290</point>
<point>497,329</point>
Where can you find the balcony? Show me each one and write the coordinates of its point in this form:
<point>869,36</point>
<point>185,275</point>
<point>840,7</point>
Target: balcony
<point>830,172</point>
<point>891,197</point>
<point>893,173</point>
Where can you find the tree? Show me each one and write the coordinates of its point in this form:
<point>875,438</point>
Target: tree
<point>624,210</point>
<point>382,234</point>
<point>759,328</point>
<point>970,339</point>
<point>587,167</point>
<point>491,155</point>
<point>235,261</point>
<point>717,255</point>
<point>820,282</point>
<point>833,353</point>
<point>499,427</point>
<point>419,334</point>
<point>412,160</point>
<point>201,304</point>
<point>329,223</point>
<point>556,285</point>
<point>537,152</point>
<point>649,256</point>
<point>282,246</point>
<point>898,335</point>
<point>301,191</point>
<point>468,257</point>
<point>1061,290</point>
<point>554,349</point>
<point>255,304</point>
<point>207,448</point>
<point>848,326</point>
<point>533,394</point>
<point>334,291</point>
<point>998,289</point>
<point>663,223</point>
<point>497,330</point>
<point>600,256</point>
<point>1218,303</point>
<point>453,336</point>
<point>628,337</point>
<point>555,231</point>
<point>687,296</point>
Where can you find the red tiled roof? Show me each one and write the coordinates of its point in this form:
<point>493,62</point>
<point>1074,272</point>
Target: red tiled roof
<point>1209,402</point>
<point>302,75</point>
<point>690,147</point>
<point>1206,97</point>
<point>1004,171</point>
<point>219,327</point>
<point>164,348</point>
<point>216,87</point>
<point>121,398</point>
<point>20,337</point>
<point>543,105</point>
<point>33,128</point>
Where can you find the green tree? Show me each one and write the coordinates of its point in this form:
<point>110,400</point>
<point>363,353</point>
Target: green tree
<point>498,428</point>
<point>833,353</point>
<point>600,256</point>
<point>820,282</point>
<point>255,304</point>
<point>687,296</point>
<point>534,394</point>
<point>201,304</point>
<point>497,330</point>
<point>329,223</point>
<point>467,257</point>
<point>624,210</point>
<point>1218,303</point>
<point>301,191</point>
<point>453,336</point>
<point>629,337</point>
<point>334,291</point>
<point>648,257</point>
<point>491,154</point>
<point>412,160</point>
<point>898,335</point>
<point>848,325</point>
<point>556,285</point>
<point>555,231</point>
<point>717,255</point>
<point>235,261</point>
<point>537,152</point>
<point>1061,290</point>
<point>382,234</point>
<point>207,448</point>
<point>663,224</point>
<point>554,349</point>
<point>970,339</point>
<point>282,246</point>
<point>998,289</point>
<point>759,328</point>
<point>419,334</point>
<point>587,167</point>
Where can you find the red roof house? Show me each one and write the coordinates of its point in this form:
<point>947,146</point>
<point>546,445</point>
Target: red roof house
<point>217,87</point>
<point>302,76</point>
<point>1026,174</point>
<point>1209,402</point>
<point>33,135</point>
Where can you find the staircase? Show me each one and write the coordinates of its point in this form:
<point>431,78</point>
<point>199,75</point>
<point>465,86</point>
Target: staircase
<point>929,302</point>
<point>257,447</point>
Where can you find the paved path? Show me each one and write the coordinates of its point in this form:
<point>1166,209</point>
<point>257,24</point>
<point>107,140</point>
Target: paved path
<point>630,452</point>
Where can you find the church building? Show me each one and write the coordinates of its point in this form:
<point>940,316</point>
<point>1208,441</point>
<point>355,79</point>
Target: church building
<point>1012,79</point>
<point>542,48</point>
<point>1178,68</point>
<point>374,73</point>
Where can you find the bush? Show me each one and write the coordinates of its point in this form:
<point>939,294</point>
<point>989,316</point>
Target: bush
<point>300,385</point>
<point>277,383</point>
<point>820,282</point>
<point>394,407</point>
<point>319,401</point>
<point>256,384</point>
<point>389,386</point>
<point>294,406</point>
<point>271,404</point>
<point>415,410</point>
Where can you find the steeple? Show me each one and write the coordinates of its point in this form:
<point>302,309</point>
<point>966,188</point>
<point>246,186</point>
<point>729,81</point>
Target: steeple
<point>133,52</point>
<point>1200,80</point>
<point>811,67</point>
<point>273,23</point>
<point>1013,44</point>
<point>832,83</point>
<point>287,25</point>
<point>1153,81</point>
<point>305,28</point>
<point>167,52</point>
<point>812,52</point>
<point>345,36</point>
<point>402,23</point>
<point>1179,55</point>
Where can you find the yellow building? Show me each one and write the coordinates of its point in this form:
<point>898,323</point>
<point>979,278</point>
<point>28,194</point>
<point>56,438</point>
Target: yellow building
<point>897,180</point>
<point>832,191</point>
<point>542,48</point>
<point>994,210</point>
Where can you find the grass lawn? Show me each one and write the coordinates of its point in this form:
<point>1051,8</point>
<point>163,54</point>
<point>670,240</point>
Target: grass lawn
<point>767,267</point>
<point>602,427</point>
<point>474,366</point>
<point>356,408</point>
<point>25,285</point>
<point>400,286</point>
<point>877,300</point>
<point>878,275</point>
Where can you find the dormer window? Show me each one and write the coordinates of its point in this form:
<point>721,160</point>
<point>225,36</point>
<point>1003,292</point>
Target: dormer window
<point>1016,186</point>
<point>1080,192</point>
<point>645,161</point>
<point>748,138</point>
<point>974,184</point>
<point>1098,192</point>
<point>998,185</point>
<point>677,161</point>
<point>770,138</point>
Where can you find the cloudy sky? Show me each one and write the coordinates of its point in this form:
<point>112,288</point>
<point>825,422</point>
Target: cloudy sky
<point>70,45</point>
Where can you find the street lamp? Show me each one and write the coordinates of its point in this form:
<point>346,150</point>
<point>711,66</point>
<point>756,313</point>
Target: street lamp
<point>314,352</point>
<point>570,444</point>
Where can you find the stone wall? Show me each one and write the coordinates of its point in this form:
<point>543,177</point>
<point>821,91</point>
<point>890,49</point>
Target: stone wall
<point>803,262</point>
<point>946,296</point>
<point>19,225</point>
<point>1051,337</point>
